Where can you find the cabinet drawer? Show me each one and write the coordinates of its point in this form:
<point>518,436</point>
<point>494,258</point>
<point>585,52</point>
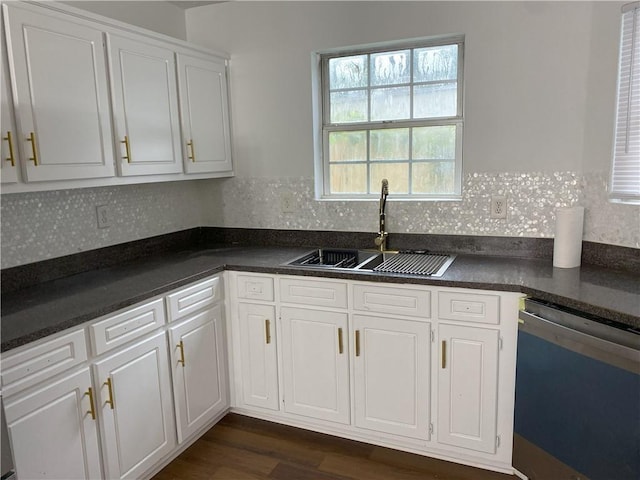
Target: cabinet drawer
<point>131,324</point>
<point>313,292</point>
<point>194,298</point>
<point>469,307</point>
<point>394,300</point>
<point>254,287</point>
<point>40,362</point>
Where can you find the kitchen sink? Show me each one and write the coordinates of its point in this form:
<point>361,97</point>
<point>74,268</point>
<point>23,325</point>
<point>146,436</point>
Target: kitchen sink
<point>407,262</point>
<point>334,258</point>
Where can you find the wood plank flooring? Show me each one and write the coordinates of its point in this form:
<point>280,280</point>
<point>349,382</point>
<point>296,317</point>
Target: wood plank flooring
<point>244,448</point>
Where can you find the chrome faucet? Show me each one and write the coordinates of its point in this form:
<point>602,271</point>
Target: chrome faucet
<point>381,239</point>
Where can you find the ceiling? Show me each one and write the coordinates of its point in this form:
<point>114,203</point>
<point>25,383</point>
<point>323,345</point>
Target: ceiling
<point>190,4</point>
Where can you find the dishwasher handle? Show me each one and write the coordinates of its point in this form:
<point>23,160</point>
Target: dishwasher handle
<point>611,353</point>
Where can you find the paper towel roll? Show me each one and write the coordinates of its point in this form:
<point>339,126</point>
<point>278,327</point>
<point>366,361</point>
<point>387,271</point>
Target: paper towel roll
<point>567,244</point>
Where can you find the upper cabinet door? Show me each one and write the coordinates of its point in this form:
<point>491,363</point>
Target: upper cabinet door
<point>145,107</point>
<point>8,149</point>
<point>205,114</point>
<point>62,101</point>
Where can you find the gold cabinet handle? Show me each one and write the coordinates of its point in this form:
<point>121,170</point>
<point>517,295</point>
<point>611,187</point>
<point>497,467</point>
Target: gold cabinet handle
<point>32,138</point>
<point>127,148</point>
<point>340,345</point>
<point>110,388</point>
<point>444,353</point>
<point>192,157</point>
<point>357,343</point>
<point>181,347</point>
<point>12,157</point>
<point>92,410</point>
<point>267,331</point>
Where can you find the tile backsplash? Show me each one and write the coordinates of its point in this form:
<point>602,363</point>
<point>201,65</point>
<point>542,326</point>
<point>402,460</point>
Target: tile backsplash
<point>532,199</point>
<point>42,225</point>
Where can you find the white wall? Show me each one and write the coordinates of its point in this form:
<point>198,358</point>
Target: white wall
<point>161,17</point>
<point>540,81</point>
<point>539,76</point>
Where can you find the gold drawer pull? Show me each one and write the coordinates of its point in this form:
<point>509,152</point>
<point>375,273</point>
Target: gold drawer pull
<point>12,157</point>
<point>444,353</point>
<point>109,387</point>
<point>267,331</point>
<point>127,149</point>
<point>357,343</point>
<point>192,157</point>
<point>340,345</point>
<point>181,347</point>
<point>32,138</point>
<point>92,411</point>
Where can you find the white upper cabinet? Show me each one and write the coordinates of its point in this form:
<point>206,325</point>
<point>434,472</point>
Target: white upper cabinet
<point>145,107</point>
<point>8,150</point>
<point>205,114</point>
<point>61,98</point>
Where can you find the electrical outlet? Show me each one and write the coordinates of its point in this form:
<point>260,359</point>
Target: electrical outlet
<point>103,212</point>
<point>287,202</point>
<point>498,207</point>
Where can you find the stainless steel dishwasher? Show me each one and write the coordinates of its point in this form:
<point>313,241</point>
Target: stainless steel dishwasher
<point>578,391</point>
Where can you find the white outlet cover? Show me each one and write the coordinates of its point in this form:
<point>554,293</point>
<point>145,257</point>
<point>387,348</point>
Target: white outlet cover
<point>498,208</point>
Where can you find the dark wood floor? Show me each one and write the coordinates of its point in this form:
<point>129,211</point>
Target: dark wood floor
<point>243,448</point>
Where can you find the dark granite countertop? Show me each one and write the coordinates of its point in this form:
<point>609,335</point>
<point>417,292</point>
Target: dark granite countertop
<point>43,309</point>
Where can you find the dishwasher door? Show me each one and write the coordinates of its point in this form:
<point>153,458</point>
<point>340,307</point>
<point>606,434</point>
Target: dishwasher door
<point>578,393</point>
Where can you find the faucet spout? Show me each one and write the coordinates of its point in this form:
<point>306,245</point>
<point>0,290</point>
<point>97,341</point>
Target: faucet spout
<point>381,239</point>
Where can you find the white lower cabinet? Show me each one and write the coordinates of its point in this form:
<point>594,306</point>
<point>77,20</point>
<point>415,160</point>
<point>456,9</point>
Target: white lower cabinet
<point>135,408</point>
<point>259,362</point>
<point>468,387</point>
<point>391,375</point>
<point>198,360</point>
<point>53,431</point>
<point>423,368</point>
<point>315,363</point>
<point>109,411</point>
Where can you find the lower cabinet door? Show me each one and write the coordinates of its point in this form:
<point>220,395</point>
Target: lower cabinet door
<point>315,363</point>
<point>199,371</point>
<point>53,430</point>
<point>259,361</point>
<point>468,387</point>
<point>135,408</point>
<point>392,372</point>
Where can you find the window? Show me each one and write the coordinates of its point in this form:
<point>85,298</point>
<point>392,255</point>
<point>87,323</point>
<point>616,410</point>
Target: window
<point>625,171</point>
<point>393,112</point>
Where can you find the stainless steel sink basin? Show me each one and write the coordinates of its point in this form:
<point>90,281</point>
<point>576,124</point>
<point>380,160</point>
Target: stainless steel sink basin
<point>334,258</point>
<point>407,262</point>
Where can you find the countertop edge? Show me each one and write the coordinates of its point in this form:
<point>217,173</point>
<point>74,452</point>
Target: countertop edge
<point>523,288</point>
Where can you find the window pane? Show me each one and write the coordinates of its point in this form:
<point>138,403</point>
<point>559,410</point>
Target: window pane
<point>348,146</point>
<point>347,107</point>
<point>435,63</point>
<point>396,173</point>
<point>390,68</point>
<point>437,100</point>
<point>390,144</point>
<point>431,143</point>
<point>390,103</point>
<point>348,72</point>
<point>433,177</point>
<point>347,178</point>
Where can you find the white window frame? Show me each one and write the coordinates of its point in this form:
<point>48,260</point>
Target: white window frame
<point>322,125</point>
<point>624,183</point>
